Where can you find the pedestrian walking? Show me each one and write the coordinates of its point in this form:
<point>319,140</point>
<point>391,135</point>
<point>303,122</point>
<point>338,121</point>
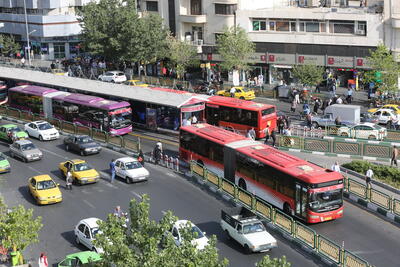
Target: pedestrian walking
<point>309,120</point>
<point>251,133</point>
<point>157,154</point>
<point>141,157</point>
<point>273,137</point>
<point>349,95</point>
<point>293,106</point>
<point>368,177</point>
<point>43,260</point>
<point>395,154</point>
<point>317,105</point>
<point>336,167</point>
<point>297,97</point>
<point>68,178</point>
<point>112,170</point>
<point>267,134</point>
<point>23,61</point>
<point>281,124</point>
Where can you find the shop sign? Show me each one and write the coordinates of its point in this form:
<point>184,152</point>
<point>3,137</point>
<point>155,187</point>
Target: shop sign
<point>257,58</point>
<point>193,108</point>
<point>311,60</point>
<point>209,57</point>
<point>362,63</point>
<point>289,59</point>
<point>340,61</point>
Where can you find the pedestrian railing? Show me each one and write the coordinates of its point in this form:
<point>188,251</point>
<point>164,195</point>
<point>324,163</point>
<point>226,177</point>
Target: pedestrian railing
<point>73,128</point>
<point>320,244</point>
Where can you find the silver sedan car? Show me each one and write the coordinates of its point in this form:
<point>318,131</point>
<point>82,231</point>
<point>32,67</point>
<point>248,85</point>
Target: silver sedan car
<point>25,150</point>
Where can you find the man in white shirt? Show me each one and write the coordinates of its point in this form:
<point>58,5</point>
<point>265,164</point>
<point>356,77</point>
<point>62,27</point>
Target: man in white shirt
<point>232,91</point>
<point>339,100</point>
<point>368,176</point>
<point>335,167</point>
<point>194,119</point>
<point>251,134</point>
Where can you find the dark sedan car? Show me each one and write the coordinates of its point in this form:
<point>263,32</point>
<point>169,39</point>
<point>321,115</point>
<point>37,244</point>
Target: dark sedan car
<point>82,144</point>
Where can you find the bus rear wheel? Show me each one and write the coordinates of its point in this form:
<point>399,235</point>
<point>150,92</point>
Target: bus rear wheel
<point>242,184</point>
<point>287,209</point>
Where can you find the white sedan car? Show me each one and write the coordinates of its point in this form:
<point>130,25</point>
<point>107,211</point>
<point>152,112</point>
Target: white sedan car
<point>200,241</point>
<point>85,233</point>
<point>42,130</point>
<point>384,115</point>
<point>113,76</point>
<point>131,170</point>
<point>363,130</point>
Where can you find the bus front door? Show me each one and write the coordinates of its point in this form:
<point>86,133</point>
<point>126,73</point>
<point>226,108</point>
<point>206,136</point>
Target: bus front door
<point>301,201</point>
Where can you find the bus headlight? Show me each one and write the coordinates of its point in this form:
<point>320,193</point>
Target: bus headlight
<point>314,216</point>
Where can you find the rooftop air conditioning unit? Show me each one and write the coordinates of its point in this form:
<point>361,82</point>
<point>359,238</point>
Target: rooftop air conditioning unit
<point>360,32</point>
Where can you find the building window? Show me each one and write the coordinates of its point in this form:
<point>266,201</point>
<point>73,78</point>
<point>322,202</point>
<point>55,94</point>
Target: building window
<point>310,26</point>
<point>152,6</point>
<point>225,9</point>
<point>293,26</point>
<point>322,27</point>
<point>259,25</point>
<point>195,7</point>
<point>346,27</point>
<point>361,28</point>
<point>59,50</point>
<point>282,25</point>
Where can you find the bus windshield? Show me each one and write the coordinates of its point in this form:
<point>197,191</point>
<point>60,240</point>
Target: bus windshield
<point>120,120</point>
<point>325,201</point>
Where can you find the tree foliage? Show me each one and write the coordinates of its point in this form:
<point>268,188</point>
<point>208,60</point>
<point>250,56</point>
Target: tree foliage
<point>112,29</point>
<point>8,45</point>
<point>145,243</point>
<point>181,54</point>
<point>308,74</point>
<point>18,227</point>
<point>235,47</point>
<point>382,61</point>
<point>275,262</point>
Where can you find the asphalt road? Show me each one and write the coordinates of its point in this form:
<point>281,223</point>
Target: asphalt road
<point>167,191</point>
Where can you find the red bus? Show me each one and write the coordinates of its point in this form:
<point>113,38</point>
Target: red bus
<point>301,189</point>
<point>240,115</point>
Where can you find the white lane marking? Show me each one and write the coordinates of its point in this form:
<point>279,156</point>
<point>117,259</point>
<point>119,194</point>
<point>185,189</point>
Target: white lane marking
<point>84,191</point>
<point>89,204</point>
<point>170,174</point>
<point>100,190</point>
<point>53,153</point>
<point>110,185</point>
<point>33,169</point>
<point>163,212</point>
<point>136,195</point>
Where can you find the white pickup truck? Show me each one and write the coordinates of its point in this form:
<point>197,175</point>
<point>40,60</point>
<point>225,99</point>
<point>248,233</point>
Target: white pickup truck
<point>244,226</point>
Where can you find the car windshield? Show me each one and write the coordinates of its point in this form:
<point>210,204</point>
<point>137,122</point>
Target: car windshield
<point>376,127</point>
<point>82,167</point>
<point>95,231</point>
<point>45,126</point>
<point>43,185</point>
<point>197,232</point>
<point>253,228</point>
<point>14,129</point>
<point>2,157</point>
<point>26,147</point>
<point>325,201</point>
<point>85,139</point>
<point>133,165</point>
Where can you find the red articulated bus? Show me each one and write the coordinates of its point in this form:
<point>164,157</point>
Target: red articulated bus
<point>240,115</point>
<point>301,189</point>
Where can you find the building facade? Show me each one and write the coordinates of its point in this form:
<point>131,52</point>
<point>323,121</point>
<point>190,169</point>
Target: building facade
<point>53,28</point>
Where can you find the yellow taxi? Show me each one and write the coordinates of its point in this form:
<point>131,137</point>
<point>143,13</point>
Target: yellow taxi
<point>59,72</point>
<point>394,107</point>
<point>136,83</point>
<point>44,190</point>
<point>240,92</point>
<point>82,172</point>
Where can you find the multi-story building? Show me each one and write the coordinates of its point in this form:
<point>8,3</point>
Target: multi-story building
<point>337,34</point>
<point>53,28</point>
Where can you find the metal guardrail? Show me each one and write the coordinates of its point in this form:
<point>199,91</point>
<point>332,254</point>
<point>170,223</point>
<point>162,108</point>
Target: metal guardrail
<point>73,128</point>
<point>305,235</point>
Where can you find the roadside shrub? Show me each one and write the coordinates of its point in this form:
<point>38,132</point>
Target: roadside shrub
<point>383,173</point>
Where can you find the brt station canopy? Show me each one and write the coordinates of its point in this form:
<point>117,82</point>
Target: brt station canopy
<point>185,101</point>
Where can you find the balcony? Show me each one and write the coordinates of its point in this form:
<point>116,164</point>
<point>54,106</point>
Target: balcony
<point>193,18</point>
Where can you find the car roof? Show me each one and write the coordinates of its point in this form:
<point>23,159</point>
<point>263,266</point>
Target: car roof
<point>23,142</point>
<point>9,125</point>
<point>37,122</point>
<point>76,161</point>
<point>91,222</point>
<point>367,124</point>
<point>385,109</point>
<point>84,256</point>
<point>42,177</point>
<point>181,223</point>
<point>126,159</point>
<point>391,105</point>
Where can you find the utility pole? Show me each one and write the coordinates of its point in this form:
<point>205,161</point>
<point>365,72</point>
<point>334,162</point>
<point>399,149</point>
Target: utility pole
<point>27,34</point>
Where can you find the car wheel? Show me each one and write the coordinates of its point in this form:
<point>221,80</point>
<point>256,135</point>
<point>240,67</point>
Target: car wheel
<point>247,249</point>
<point>67,147</point>
<point>12,154</point>
<point>128,180</point>
<point>315,125</point>
<point>40,137</point>
<point>94,249</point>
<point>77,240</point>
<point>228,236</point>
<point>82,153</point>
<point>112,81</point>
<point>25,160</point>
<point>242,98</point>
<point>371,137</point>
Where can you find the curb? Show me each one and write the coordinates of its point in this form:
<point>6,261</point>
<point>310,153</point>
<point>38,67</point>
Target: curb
<point>334,154</point>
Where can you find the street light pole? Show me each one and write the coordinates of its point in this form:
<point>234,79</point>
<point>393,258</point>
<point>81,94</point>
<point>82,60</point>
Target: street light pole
<point>27,34</point>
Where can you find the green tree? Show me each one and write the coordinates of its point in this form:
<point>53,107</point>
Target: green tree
<point>181,54</point>
<point>18,227</point>
<point>235,48</point>
<point>8,45</point>
<point>145,243</point>
<point>382,61</point>
<point>275,262</point>
<point>308,75</point>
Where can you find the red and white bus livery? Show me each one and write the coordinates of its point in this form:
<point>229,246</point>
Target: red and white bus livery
<point>301,189</point>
